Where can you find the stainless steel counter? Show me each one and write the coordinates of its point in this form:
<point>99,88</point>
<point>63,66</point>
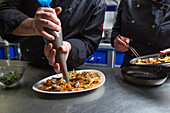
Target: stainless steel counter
<point>115,96</point>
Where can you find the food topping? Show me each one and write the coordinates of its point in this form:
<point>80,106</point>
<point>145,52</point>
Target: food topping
<point>78,81</point>
<point>153,60</point>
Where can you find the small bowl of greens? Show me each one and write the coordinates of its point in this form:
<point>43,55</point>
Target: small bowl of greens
<point>10,75</point>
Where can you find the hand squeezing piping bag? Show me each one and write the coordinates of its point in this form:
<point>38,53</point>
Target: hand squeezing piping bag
<point>57,43</point>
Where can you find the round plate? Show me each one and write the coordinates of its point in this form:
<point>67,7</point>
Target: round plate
<point>158,55</point>
<point>36,85</point>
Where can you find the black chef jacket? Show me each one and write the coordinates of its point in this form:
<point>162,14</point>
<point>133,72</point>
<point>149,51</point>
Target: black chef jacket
<point>146,23</point>
<point>81,22</point>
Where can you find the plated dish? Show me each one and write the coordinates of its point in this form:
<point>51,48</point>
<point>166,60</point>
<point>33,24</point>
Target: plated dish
<point>153,59</point>
<point>80,81</point>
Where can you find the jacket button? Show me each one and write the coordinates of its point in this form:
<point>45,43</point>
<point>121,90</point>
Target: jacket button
<point>138,5</point>
<point>43,58</point>
<point>70,9</point>
<point>27,50</point>
<point>133,21</point>
<point>149,43</point>
<point>153,26</point>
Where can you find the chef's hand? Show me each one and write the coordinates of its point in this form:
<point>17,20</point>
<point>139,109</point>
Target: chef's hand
<point>120,45</point>
<point>46,17</point>
<point>50,54</point>
<point>166,51</point>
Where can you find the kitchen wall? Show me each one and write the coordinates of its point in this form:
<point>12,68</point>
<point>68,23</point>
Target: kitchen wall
<point>110,15</point>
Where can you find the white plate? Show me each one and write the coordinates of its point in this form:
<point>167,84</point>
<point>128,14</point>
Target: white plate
<point>158,55</point>
<point>36,85</point>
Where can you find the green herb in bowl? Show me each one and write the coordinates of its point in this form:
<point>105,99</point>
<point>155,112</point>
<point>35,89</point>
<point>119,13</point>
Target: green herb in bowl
<point>10,76</point>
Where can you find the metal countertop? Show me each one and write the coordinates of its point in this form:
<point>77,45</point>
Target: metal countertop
<point>115,96</point>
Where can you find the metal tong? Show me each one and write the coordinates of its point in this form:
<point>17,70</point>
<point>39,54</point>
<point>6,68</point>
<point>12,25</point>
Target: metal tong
<point>131,48</point>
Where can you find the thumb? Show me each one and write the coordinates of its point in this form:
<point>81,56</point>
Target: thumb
<point>63,49</point>
<point>58,10</point>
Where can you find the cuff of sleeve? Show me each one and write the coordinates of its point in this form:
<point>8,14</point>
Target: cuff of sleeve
<point>12,22</point>
<point>77,54</point>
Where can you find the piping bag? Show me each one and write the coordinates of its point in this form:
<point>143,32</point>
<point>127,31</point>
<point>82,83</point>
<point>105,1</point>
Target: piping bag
<point>57,43</point>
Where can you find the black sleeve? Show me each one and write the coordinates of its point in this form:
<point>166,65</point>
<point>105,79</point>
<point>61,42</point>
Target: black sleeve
<point>90,37</point>
<point>10,18</point>
<point>117,26</point>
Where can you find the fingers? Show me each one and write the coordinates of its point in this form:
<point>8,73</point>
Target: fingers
<point>57,68</point>
<point>120,41</point>
<point>47,35</point>
<point>51,57</point>
<point>63,49</point>
<point>46,9</point>
<point>50,24</point>
<point>46,17</point>
<point>47,49</point>
<point>166,51</point>
<point>120,45</point>
<point>58,10</point>
<point>50,53</point>
<point>123,40</point>
<point>66,48</point>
